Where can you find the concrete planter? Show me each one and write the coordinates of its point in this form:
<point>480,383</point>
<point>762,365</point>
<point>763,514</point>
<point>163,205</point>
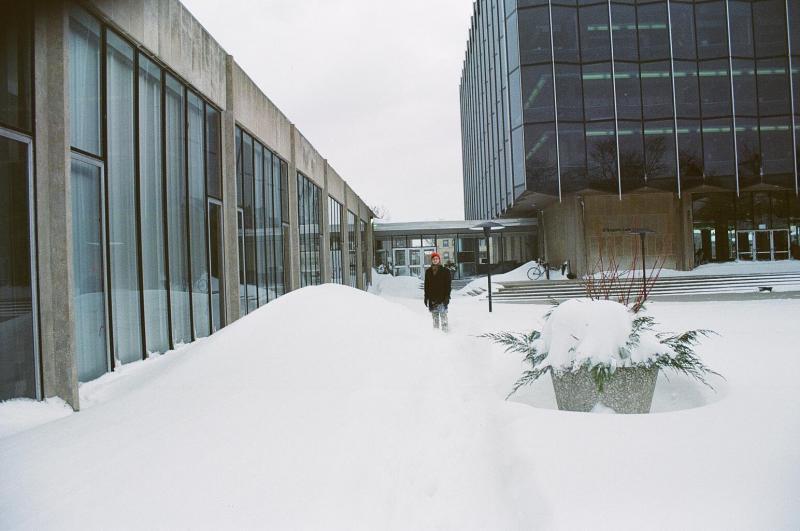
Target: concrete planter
<point>629,390</point>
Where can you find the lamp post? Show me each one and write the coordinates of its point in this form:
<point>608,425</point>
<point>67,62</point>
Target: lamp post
<point>642,234</point>
<point>487,227</point>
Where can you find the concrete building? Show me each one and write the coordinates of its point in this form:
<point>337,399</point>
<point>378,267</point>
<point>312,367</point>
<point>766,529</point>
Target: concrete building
<point>151,193</point>
<point>679,116</point>
<point>405,249</point>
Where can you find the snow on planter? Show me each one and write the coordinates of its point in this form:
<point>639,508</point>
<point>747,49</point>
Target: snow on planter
<point>599,352</point>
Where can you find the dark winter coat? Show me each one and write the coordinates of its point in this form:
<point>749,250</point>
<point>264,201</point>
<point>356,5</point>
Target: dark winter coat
<point>437,286</point>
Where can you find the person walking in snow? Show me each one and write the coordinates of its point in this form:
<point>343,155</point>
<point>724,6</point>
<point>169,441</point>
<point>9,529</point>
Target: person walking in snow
<point>437,291</point>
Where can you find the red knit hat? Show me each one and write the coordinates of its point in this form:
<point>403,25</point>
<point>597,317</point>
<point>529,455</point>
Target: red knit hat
<point>435,255</point>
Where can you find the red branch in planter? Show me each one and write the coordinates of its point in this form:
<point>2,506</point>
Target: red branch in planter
<point>610,282</point>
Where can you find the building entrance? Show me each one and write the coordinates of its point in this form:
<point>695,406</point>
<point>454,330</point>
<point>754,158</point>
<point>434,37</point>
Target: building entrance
<point>762,245</point>
<point>412,262</point>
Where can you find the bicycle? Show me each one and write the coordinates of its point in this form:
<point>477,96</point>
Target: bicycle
<point>538,270</point>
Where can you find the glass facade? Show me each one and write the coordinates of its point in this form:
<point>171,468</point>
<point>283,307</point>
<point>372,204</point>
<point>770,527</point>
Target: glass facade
<point>619,96</point>
<point>335,230</point>
<point>262,216</point>
<point>308,208</point>
<point>352,247</point>
<point>146,233</point>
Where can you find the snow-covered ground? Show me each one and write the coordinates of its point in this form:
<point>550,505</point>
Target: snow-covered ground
<point>331,408</point>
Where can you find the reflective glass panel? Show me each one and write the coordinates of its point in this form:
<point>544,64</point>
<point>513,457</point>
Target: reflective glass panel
<point>200,280</point>
<point>601,156</point>
<point>712,34</point>
<point>540,159</point>
<point>572,148</point>
<point>769,21</point>
<point>683,31</point>
<point>537,93</point>
<point>534,35</point>
<point>718,147</point>
<point>595,42</point>
<point>687,95</point>
<point>659,155</point>
<point>17,351</point>
<point>123,233</point>
<point>565,34</point>
<point>84,81</point>
<point>741,29</point>
<point>16,25</point>
<point>626,47</point>
<point>570,93</point>
<point>598,94</point>
<point>631,158</point>
<point>773,87</point>
<point>715,88</point>
<point>653,34</point>
<point>88,268</point>
<point>744,87</point>
<point>629,100</point>
<point>656,90</point>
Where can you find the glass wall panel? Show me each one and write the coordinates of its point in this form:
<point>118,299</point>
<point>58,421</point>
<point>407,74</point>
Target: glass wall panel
<point>598,92</point>
<point>201,283</point>
<point>335,228</point>
<point>744,87</point>
<point>748,150</point>
<point>687,95</point>
<point>690,152</point>
<point>270,226</point>
<point>513,42</point>
<point>653,34</point>
<point>84,81</point>
<point>776,146</point>
<point>683,31</point>
<point>216,261</point>
<point>742,25</point>
<point>595,42</point>
<point>715,88</point>
<point>537,93</point>
<point>540,159</point>
<point>656,90</point>
<point>123,234</point>
<point>308,227</point>
<point>154,270</point>
<point>565,34</point>
<point>515,96</point>
<point>18,373</point>
<point>366,274</point>
<point>280,189</point>
<point>16,27</point>
<point>213,160</point>
<point>352,243</point>
<point>88,271</point>
<point>572,148</point>
<point>626,46</point>
<point>659,155</point>
<point>718,148</point>
<point>631,155</point>
<point>769,21</point>
<point>570,92</point>
<point>601,156</point>
<point>177,212</point>
<point>518,154</point>
<point>773,87</point>
<point>534,35</point>
<point>712,33</point>
<point>260,226</point>
<point>629,99</point>
<point>251,281</point>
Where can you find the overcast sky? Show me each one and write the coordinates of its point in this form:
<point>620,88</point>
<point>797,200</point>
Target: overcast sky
<point>373,84</point>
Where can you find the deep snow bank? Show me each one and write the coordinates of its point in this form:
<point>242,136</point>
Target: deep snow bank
<point>328,408</point>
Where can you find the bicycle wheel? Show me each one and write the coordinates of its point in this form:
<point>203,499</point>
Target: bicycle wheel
<point>535,273</point>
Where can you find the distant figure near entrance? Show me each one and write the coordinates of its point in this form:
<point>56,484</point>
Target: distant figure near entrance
<point>437,291</point>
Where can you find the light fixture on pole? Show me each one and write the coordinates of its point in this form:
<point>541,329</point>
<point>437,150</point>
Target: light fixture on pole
<point>488,227</point>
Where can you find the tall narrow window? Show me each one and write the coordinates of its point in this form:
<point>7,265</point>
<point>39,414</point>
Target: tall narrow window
<point>177,213</point>
<point>123,230</point>
<point>17,350</point>
<point>308,197</point>
<point>84,81</point>
<point>281,189</point>
<point>335,230</point>
<point>88,266</point>
<point>251,281</point>
<point>15,67</point>
<point>151,197</point>
<point>200,281</point>
<point>216,258</point>
<point>352,245</point>
<point>260,226</point>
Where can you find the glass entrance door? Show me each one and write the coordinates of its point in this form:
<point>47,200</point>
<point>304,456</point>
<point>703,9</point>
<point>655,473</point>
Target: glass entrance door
<point>412,262</point>
<point>763,245</point>
<point>18,359</point>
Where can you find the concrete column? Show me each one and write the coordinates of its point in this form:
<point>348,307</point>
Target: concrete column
<point>686,239</point>
<point>370,251</point>
<point>294,235</point>
<point>229,199</point>
<point>53,201</point>
<point>325,230</point>
<point>359,262</point>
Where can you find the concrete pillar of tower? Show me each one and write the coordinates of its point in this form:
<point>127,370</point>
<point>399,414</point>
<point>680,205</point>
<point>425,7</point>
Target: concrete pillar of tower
<point>230,214</point>
<point>53,201</point>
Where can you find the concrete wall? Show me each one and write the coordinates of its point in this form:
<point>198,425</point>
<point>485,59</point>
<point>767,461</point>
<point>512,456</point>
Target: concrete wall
<point>169,31</point>
<point>656,211</point>
<point>256,113</point>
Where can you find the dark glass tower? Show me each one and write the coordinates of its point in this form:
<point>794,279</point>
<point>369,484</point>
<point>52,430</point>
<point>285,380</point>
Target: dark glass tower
<point>616,97</point>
